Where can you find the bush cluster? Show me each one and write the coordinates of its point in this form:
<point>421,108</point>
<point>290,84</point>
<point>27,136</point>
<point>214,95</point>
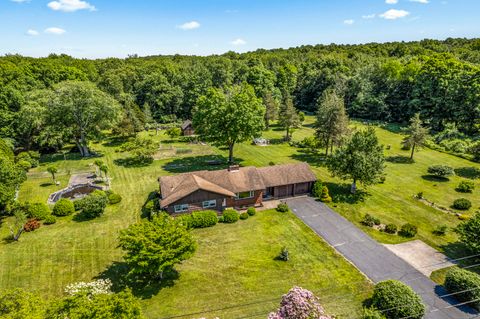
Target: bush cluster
<point>63,207</point>
<point>462,204</point>
<point>466,187</point>
<point>31,225</point>
<point>94,204</point>
<point>203,219</point>
<point>38,211</point>
<point>397,300</point>
<point>370,313</point>
<point>251,211</point>
<point>408,230</point>
<point>230,216</point>
<point>370,221</point>
<point>468,283</point>
<point>440,230</point>
<point>113,198</point>
<point>243,216</point>
<point>441,170</point>
<point>282,207</point>
<point>391,229</point>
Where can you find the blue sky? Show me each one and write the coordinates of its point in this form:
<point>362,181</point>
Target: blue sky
<point>104,28</point>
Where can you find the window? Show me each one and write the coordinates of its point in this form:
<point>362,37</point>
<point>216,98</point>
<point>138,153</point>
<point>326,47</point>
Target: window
<point>244,195</point>
<point>181,208</point>
<point>209,203</point>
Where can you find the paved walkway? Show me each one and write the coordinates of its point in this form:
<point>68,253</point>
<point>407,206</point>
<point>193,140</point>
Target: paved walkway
<point>373,259</point>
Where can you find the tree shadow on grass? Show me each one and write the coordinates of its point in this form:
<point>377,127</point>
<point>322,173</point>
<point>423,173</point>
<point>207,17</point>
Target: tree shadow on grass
<point>341,193</point>
<point>141,287</point>
<point>196,163</point>
<point>468,172</point>
<point>116,141</point>
<point>146,211</point>
<point>314,159</point>
<point>133,162</point>
<point>399,159</point>
<point>46,184</point>
<point>433,178</point>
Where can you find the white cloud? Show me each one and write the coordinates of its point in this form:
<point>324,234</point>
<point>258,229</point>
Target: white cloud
<point>238,42</point>
<point>20,1</point>
<point>55,30</point>
<point>32,32</point>
<point>189,25</point>
<point>369,16</point>
<point>420,1</point>
<point>349,21</point>
<point>391,1</point>
<point>393,14</point>
<point>70,5</point>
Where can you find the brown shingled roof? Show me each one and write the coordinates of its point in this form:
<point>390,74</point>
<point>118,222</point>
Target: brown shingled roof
<point>186,124</point>
<point>277,175</point>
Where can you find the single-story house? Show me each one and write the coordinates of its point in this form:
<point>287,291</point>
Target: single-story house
<point>236,187</point>
<point>187,128</point>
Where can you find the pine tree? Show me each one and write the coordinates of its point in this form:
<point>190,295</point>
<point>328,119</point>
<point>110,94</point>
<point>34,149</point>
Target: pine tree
<point>288,118</point>
<point>417,134</point>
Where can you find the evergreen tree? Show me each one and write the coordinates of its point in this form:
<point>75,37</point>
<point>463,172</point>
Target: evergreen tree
<point>417,134</point>
<point>288,118</point>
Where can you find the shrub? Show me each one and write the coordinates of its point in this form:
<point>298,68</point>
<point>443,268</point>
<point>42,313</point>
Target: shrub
<point>468,233</point>
<point>251,211</point>
<point>271,163</point>
<point>49,220</point>
<point>408,230</point>
<point>370,313</point>
<point>94,204</point>
<point>203,219</point>
<point>25,165</point>
<point>420,195</point>
<point>441,170</point>
<point>317,189</point>
<point>325,197</point>
<point>397,300</point>
<point>462,204</point>
<point>284,254</point>
<point>370,221</point>
<point>391,229</point>
<point>38,211</point>
<point>468,283</point>
<point>440,230</point>
<point>186,220</point>
<point>63,207</point>
<point>230,216</point>
<point>463,217</point>
<point>299,303</point>
<point>78,204</point>
<point>466,187</point>
<point>243,216</point>
<point>149,207</point>
<point>220,219</point>
<point>31,225</point>
<point>114,198</point>
<point>282,207</point>
<point>30,157</point>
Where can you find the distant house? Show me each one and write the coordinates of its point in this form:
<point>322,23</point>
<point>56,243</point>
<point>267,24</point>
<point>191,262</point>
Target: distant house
<point>233,187</point>
<point>187,128</point>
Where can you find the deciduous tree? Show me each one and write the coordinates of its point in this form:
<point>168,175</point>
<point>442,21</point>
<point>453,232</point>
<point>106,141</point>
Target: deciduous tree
<point>288,118</point>
<point>417,134</point>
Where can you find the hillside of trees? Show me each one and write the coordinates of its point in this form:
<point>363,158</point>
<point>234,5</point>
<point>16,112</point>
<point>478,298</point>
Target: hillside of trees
<point>390,82</point>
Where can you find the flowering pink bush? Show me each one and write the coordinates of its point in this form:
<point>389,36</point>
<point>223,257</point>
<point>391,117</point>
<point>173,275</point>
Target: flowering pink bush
<point>299,303</point>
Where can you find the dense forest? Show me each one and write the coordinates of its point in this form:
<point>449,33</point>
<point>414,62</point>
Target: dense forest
<point>389,82</point>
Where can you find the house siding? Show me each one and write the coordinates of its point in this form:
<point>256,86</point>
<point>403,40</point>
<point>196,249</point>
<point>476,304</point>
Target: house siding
<point>256,200</point>
<point>195,202</point>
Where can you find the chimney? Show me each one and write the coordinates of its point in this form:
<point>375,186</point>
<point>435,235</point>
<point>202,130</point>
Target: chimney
<point>234,168</point>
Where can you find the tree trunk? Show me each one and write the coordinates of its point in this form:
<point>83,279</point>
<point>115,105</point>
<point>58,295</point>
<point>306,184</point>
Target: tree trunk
<point>230,153</point>
<point>79,146</point>
<point>83,143</point>
<point>353,188</point>
<point>287,136</point>
<point>413,151</point>
<point>267,124</point>
<point>327,142</point>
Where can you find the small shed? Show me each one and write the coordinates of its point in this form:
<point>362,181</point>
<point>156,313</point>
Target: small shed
<point>187,128</point>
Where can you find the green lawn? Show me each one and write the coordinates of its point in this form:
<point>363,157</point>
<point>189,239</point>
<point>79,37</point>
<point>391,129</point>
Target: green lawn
<point>230,258</point>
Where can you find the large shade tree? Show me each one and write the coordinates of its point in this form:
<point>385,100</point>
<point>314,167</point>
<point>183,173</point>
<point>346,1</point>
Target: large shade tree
<point>361,159</point>
<point>227,118</point>
<point>80,111</point>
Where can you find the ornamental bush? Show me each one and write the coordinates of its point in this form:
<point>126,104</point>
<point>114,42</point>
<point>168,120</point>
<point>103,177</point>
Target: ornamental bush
<point>114,198</point>
<point>462,204</point>
<point>325,197</point>
<point>230,216</point>
<point>49,220</point>
<point>467,282</point>
<point>370,313</point>
<point>186,220</point>
<point>370,221</point>
<point>251,211</point>
<point>408,230</point>
<point>38,211</point>
<point>465,187</point>
<point>94,204</point>
<point>397,300</point>
<point>391,229</point>
<point>440,230</point>
<point>243,216</point>
<point>441,170</point>
<point>284,254</point>
<point>203,219</point>
<point>63,207</point>
<point>282,208</point>
<point>299,303</point>
<point>317,189</point>
<point>31,225</point>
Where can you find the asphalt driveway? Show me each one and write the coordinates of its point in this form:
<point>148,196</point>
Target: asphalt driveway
<point>374,260</point>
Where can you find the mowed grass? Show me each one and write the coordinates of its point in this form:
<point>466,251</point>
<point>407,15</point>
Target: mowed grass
<point>235,269</point>
<point>234,264</point>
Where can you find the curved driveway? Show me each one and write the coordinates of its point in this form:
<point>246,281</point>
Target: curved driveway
<point>373,259</point>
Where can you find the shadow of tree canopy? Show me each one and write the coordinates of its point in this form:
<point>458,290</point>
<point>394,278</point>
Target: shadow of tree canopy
<point>399,159</point>
<point>133,161</point>
<point>312,158</point>
<point>441,292</point>
<point>340,193</point>
<point>433,178</point>
<point>468,172</point>
<point>141,287</point>
<point>147,208</point>
<point>196,163</point>
<point>116,141</point>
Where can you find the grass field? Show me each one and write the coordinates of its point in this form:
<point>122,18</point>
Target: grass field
<point>231,259</point>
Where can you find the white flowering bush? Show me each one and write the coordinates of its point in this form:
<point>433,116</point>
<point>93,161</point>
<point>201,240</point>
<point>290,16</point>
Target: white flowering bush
<point>299,303</point>
<point>97,287</point>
